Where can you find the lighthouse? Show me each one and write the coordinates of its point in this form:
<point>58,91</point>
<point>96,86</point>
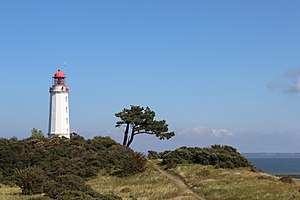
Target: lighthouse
<point>59,122</point>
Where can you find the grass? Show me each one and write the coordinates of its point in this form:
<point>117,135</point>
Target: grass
<point>150,185</point>
<point>13,193</point>
<point>234,184</point>
<point>214,184</point>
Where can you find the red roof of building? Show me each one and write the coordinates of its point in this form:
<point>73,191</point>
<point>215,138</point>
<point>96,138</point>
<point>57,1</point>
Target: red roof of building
<point>59,74</point>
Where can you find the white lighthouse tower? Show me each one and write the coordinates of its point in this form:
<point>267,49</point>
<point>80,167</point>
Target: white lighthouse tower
<point>59,122</point>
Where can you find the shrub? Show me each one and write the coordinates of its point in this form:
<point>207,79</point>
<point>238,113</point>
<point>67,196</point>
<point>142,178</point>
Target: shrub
<point>286,179</point>
<point>72,182</point>
<point>153,155</point>
<point>61,163</point>
<point>60,156</point>
<point>72,187</point>
<point>79,195</point>
<point>30,180</point>
<point>218,156</point>
<point>134,165</point>
<point>74,195</point>
<point>170,165</point>
<point>105,141</point>
<point>126,162</point>
<point>52,188</point>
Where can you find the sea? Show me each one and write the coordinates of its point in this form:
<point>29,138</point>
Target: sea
<point>276,164</point>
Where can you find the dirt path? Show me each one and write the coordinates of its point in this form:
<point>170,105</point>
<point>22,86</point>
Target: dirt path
<point>186,192</point>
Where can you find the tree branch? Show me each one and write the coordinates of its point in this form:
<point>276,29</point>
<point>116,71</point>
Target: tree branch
<point>144,132</point>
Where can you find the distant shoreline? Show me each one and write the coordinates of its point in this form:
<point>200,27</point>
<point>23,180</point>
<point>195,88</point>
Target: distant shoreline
<point>271,155</point>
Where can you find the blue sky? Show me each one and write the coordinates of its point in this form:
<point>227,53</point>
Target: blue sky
<point>225,72</point>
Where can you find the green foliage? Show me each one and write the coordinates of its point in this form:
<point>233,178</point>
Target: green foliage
<point>52,166</point>
<point>100,143</point>
<point>71,186</point>
<point>218,156</point>
<point>135,162</point>
<point>153,155</point>
<point>74,195</point>
<point>138,120</point>
<point>35,133</point>
<point>30,180</point>
<point>78,195</point>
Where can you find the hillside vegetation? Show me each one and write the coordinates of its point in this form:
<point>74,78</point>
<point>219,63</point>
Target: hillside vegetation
<point>207,181</point>
<point>101,169</point>
<point>220,156</point>
<point>233,184</point>
<point>58,167</point>
<point>148,185</point>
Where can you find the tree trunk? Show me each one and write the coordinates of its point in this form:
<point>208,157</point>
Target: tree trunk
<point>126,135</point>
<point>131,138</point>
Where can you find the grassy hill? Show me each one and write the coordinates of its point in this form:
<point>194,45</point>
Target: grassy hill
<point>101,169</point>
<point>207,181</point>
<point>235,184</point>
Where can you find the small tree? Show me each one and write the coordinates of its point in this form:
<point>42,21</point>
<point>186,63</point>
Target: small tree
<point>138,120</point>
<point>35,133</point>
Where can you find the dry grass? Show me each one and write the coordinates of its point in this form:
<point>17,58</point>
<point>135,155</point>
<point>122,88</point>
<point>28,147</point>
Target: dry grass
<point>233,184</point>
<point>149,185</point>
<point>13,193</point>
<point>214,184</point>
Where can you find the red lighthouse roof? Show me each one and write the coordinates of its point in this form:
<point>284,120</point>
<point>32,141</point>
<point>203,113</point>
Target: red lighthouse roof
<point>59,74</point>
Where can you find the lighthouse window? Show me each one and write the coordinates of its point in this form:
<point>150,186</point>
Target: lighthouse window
<point>66,99</point>
<point>66,109</point>
<point>67,120</point>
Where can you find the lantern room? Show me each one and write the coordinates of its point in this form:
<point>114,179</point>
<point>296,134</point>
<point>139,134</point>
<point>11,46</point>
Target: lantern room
<point>59,78</point>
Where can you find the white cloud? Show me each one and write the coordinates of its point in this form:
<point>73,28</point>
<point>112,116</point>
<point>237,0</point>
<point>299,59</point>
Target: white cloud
<point>222,132</point>
<point>204,131</point>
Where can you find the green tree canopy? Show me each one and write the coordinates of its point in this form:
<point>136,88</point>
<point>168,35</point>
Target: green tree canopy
<point>35,133</point>
<point>138,120</point>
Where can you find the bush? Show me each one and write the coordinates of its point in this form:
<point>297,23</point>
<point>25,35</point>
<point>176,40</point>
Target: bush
<point>72,187</point>
<point>125,162</point>
<point>72,182</point>
<point>287,179</point>
<point>61,156</point>
<point>52,188</point>
<point>218,156</point>
<point>30,180</point>
<point>134,165</point>
<point>74,195</point>
<point>170,165</point>
<point>78,195</point>
<point>105,141</point>
<point>153,155</point>
<point>60,164</point>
